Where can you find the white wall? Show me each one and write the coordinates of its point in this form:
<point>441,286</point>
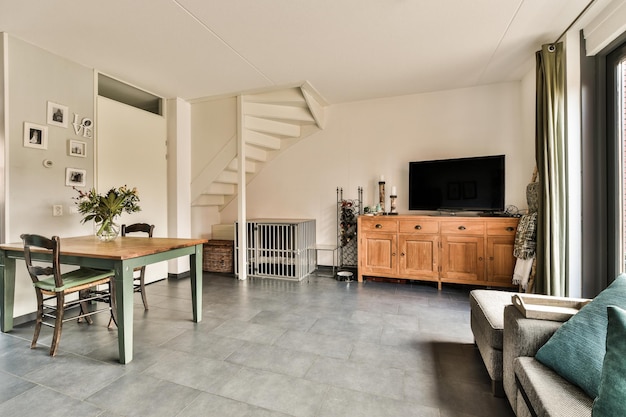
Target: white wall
<point>131,146</point>
<point>365,139</point>
<point>35,77</point>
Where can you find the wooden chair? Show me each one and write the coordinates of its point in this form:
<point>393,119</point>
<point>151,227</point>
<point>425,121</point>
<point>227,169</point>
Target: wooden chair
<point>139,280</point>
<point>56,286</point>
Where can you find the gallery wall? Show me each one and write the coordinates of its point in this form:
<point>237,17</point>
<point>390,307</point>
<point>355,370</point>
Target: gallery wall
<point>36,77</point>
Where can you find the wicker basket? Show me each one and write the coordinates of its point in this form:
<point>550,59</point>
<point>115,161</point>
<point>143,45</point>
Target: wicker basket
<point>217,256</point>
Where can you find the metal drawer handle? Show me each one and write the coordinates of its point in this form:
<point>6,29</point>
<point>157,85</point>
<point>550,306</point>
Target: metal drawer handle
<point>510,229</point>
<point>379,226</point>
<point>461,227</point>
<point>418,227</point>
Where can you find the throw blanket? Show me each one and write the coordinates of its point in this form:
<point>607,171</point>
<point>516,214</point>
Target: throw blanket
<point>526,237</point>
<point>523,268</point>
<point>524,249</point>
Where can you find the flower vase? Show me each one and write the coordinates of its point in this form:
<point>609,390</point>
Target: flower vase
<point>107,230</point>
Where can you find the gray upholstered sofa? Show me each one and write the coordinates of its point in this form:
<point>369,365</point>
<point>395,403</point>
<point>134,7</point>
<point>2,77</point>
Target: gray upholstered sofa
<point>532,388</point>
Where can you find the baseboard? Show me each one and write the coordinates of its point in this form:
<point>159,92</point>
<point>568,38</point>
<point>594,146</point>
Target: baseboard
<point>24,319</point>
<point>182,275</point>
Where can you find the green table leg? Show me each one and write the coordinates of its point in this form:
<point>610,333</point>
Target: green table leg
<point>124,300</point>
<point>7,289</point>
<point>195,270</point>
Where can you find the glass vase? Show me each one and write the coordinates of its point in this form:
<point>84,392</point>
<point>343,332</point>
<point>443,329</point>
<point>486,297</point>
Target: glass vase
<point>107,230</point>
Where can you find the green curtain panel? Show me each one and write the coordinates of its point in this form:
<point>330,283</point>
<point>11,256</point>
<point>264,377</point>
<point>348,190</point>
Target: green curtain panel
<point>551,155</point>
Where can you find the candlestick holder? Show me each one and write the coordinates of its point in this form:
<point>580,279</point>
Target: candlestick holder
<point>381,195</point>
<point>393,210</point>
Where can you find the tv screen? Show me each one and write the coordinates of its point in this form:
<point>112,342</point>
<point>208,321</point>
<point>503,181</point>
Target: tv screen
<point>475,184</point>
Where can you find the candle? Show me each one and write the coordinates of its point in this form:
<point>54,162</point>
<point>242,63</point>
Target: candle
<point>382,178</point>
<point>393,190</point>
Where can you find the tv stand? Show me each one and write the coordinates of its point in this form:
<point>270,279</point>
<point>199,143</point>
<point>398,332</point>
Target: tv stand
<point>459,250</point>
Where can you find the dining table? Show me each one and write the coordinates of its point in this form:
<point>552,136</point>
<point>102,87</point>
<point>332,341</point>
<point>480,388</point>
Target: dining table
<point>122,255</point>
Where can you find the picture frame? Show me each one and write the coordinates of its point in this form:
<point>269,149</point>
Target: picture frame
<point>57,114</point>
<point>35,136</point>
<point>75,177</point>
<point>77,148</point>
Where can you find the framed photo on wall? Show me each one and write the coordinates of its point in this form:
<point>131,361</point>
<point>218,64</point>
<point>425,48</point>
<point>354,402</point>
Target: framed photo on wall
<point>57,114</point>
<point>75,177</point>
<point>35,136</point>
<point>76,148</point>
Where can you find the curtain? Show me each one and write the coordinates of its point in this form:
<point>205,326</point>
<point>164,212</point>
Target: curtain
<point>551,156</point>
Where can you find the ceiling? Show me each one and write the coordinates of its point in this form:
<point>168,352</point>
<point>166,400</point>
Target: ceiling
<point>347,49</point>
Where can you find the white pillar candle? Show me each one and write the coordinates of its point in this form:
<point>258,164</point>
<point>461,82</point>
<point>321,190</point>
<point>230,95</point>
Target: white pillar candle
<point>393,190</point>
<point>382,178</point>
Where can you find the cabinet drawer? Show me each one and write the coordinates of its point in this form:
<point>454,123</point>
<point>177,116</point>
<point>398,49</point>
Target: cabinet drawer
<point>502,227</point>
<point>378,224</point>
<point>460,227</point>
<point>419,226</point>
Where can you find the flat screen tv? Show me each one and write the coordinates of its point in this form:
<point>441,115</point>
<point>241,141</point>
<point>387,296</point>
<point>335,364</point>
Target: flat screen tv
<point>472,184</point>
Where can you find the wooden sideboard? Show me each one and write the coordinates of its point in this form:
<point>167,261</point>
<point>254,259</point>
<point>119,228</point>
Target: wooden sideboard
<point>460,250</point>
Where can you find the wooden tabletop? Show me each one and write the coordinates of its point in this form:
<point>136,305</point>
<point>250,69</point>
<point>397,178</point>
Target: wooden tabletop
<point>121,248</point>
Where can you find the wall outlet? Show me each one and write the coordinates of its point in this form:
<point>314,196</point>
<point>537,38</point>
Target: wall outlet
<point>73,210</point>
<point>57,210</point>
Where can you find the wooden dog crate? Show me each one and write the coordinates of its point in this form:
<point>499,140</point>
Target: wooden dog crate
<point>217,256</point>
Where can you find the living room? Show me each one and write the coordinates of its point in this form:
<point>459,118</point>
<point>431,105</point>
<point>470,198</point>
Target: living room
<point>362,140</point>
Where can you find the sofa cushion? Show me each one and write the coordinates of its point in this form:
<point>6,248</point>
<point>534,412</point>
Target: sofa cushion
<point>487,309</point>
<point>576,350</point>
<point>610,401</point>
<point>547,393</point>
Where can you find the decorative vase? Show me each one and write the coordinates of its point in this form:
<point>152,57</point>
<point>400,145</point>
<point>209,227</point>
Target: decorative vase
<point>107,230</point>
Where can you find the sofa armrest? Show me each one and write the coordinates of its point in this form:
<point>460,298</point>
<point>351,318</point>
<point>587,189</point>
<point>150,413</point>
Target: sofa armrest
<point>521,337</point>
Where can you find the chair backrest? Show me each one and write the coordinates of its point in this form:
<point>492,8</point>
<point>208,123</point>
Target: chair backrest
<point>52,246</point>
<point>138,227</point>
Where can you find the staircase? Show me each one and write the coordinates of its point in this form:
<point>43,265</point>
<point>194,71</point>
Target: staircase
<point>270,123</point>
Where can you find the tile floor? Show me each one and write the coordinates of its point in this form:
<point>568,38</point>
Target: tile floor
<point>264,348</point>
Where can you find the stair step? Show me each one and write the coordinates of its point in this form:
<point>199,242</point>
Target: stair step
<point>278,112</point>
<point>288,95</point>
<point>256,154</point>
<point>209,200</point>
<point>272,126</point>
<point>220,188</point>
<point>262,140</point>
<point>228,177</point>
<point>251,166</point>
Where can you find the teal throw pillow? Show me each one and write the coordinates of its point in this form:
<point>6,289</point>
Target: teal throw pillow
<point>576,350</point>
<point>611,400</point>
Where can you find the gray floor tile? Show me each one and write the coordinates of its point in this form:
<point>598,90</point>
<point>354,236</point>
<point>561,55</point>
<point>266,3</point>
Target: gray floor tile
<point>330,346</point>
<point>41,401</point>
<point>272,358</point>
<point>341,402</point>
<point>12,386</point>
<point>293,396</point>
<point>75,376</point>
<point>385,382</point>
<point>209,405</point>
<point>143,395</point>
<point>193,371</point>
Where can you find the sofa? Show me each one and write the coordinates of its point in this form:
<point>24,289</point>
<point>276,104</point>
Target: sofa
<point>574,368</point>
<point>532,388</point>
<point>487,324</point>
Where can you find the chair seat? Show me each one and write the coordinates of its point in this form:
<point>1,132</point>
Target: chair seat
<point>76,278</point>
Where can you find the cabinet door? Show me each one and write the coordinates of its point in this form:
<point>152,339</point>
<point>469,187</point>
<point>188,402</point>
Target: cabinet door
<point>463,258</point>
<point>500,259</point>
<point>379,253</point>
<point>419,256</point>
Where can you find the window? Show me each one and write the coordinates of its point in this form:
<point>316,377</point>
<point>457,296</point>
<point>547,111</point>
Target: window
<point>616,131</point>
